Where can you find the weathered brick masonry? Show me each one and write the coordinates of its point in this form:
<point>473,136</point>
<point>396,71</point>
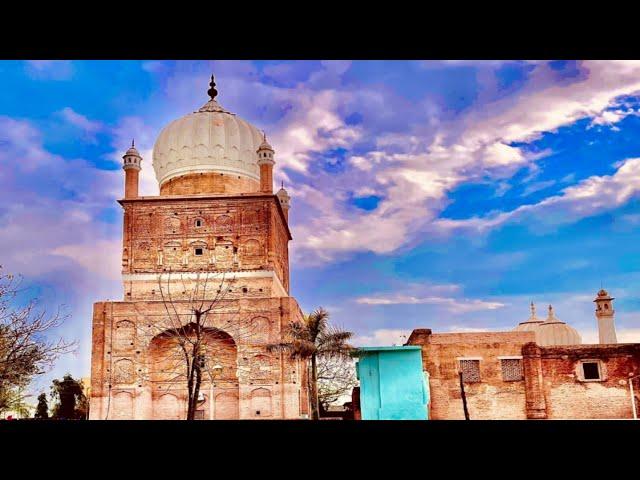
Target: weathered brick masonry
<point>552,384</point>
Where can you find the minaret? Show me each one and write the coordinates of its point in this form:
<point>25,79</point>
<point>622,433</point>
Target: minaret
<point>266,162</point>
<point>604,315</point>
<point>131,167</point>
<point>283,198</point>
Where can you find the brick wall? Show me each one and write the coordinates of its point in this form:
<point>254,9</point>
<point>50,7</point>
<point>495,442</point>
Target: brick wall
<point>210,182</point>
<point>552,386</point>
<point>492,397</point>
<point>205,234</point>
<point>567,396</point>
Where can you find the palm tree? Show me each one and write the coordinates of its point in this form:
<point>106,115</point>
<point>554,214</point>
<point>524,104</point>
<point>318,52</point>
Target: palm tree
<point>311,339</point>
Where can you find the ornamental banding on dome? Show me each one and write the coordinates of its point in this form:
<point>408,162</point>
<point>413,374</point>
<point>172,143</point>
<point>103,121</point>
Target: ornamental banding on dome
<point>210,151</point>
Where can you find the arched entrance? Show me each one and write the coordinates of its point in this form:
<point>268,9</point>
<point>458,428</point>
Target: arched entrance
<point>167,367</point>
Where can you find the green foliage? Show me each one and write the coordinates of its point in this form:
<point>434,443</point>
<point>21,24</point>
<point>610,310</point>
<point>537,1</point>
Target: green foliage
<point>70,400</point>
<point>42,410</point>
<point>13,399</point>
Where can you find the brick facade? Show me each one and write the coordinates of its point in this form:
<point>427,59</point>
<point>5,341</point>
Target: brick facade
<point>172,243</point>
<point>121,338</point>
<point>569,396</point>
<point>209,182</point>
<point>236,234</point>
<point>551,387</point>
<point>491,397</point>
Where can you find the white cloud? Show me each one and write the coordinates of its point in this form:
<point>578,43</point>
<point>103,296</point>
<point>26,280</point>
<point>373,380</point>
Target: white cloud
<point>382,337</point>
<point>463,329</point>
<point>313,125</point>
<point>445,296</point>
<point>154,66</point>
<point>50,69</point>
<point>454,305</point>
<point>537,186</point>
<point>50,232</point>
<point>471,63</point>
<point>89,127</point>
<point>414,171</point>
<point>100,257</point>
<point>36,219</point>
<point>365,192</point>
<point>589,197</point>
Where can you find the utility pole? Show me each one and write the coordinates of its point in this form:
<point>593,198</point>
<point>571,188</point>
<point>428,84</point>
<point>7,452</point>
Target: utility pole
<point>464,397</point>
<point>633,398</point>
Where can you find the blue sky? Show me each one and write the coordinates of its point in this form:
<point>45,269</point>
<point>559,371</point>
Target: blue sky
<point>431,194</point>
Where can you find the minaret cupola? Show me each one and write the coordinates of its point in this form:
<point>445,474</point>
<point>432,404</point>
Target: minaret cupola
<point>604,316</point>
<point>132,164</point>
<point>265,161</point>
<point>284,198</point>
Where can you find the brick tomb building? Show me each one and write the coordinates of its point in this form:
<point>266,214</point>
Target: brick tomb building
<point>217,235</point>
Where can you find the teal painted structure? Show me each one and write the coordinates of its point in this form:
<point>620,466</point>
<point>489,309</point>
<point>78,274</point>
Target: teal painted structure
<point>392,383</point>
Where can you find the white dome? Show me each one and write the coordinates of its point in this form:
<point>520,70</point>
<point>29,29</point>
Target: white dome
<point>209,140</point>
<point>531,324</point>
<point>528,326</point>
<point>555,332</point>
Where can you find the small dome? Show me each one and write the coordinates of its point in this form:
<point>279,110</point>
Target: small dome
<point>531,324</point>
<point>208,140</point>
<point>132,151</point>
<point>555,332</point>
<point>265,145</point>
<point>282,193</point>
<point>603,295</point>
<point>283,197</point>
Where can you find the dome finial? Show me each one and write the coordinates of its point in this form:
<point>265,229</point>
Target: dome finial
<point>212,89</point>
<point>551,315</point>
<point>281,183</point>
<point>133,143</point>
<point>533,310</point>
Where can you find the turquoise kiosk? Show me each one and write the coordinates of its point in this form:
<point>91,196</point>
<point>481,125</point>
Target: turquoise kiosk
<point>392,383</point>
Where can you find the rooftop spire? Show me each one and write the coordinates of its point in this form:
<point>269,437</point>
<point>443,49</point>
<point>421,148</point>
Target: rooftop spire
<point>551,317</point>
<point>133,143</point>
<point>533,310</point>
<point>212,105</point>
<point>212,89</point>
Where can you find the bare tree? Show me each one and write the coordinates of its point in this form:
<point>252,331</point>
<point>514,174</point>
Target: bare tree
<point>194,341</point>
<point>336,379</point>
<point>26,345</point>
